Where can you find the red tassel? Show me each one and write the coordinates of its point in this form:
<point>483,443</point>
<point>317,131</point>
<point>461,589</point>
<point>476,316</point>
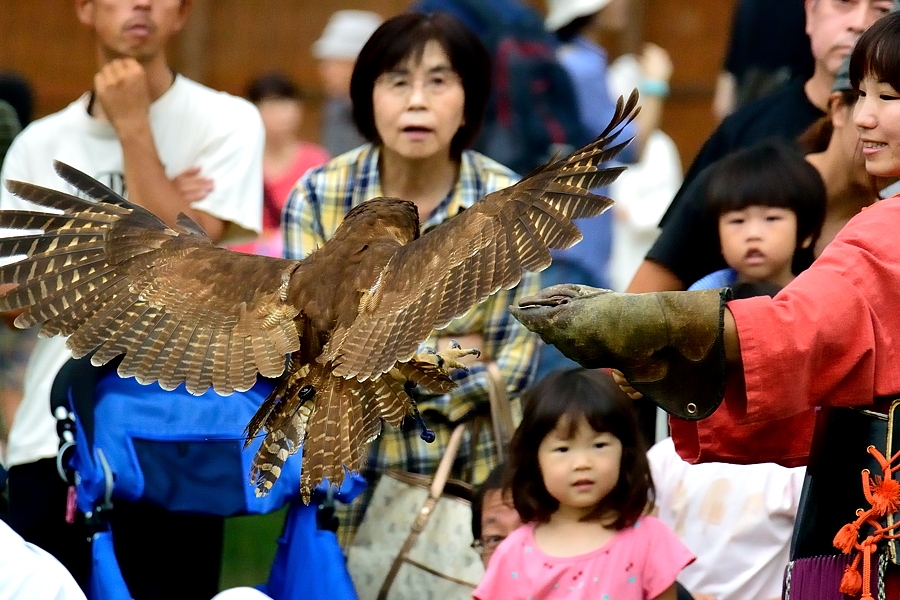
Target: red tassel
<point>885,496</point>
<point>845,540</point>
<point>851,582</point>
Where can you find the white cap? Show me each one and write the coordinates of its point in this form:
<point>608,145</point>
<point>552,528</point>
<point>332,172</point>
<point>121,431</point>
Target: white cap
<point>346,33</point>
<point>562,12</point>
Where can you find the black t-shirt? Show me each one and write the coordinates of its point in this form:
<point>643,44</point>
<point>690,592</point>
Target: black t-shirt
<point>689,243</point>
<point>769,35</point>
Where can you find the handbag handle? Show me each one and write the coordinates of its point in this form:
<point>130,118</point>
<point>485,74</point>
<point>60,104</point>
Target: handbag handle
<point>425,512</point>
<point>443,471</point>
<point>501,413</point>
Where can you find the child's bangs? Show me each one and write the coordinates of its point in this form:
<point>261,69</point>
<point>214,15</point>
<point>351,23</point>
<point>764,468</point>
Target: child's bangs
<point>567,425</point>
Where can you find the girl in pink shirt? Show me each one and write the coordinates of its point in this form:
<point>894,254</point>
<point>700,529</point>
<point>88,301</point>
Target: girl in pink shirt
<point>580,480</point>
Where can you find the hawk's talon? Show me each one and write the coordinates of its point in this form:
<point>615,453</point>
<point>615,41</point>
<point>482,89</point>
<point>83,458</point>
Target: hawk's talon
<point>447,360</point>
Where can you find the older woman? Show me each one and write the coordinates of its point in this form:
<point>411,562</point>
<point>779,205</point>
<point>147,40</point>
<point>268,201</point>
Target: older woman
<point>419,88</point>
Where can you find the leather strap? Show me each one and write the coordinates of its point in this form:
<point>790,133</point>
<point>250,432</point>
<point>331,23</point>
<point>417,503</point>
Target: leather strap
<point>501,413</point>
<point>425,512</point>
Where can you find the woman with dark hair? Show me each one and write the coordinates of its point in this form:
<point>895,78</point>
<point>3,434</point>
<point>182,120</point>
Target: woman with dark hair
<point>419,89</point>
<point>808,377</point>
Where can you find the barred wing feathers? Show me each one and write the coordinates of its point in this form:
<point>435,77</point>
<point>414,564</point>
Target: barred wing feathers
<point>117,280</point>
<point>441,275</point>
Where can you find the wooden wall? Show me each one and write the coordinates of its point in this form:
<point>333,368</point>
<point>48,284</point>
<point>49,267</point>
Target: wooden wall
<point>229,41</point>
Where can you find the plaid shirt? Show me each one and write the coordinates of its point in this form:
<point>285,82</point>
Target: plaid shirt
<point>314,210</point>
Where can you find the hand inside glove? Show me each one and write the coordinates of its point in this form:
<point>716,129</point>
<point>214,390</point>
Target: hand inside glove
<point>668,345</point>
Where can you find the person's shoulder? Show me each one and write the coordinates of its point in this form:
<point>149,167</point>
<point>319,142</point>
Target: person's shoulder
<point>716,279</point>
<point>339,168</point>
<point>50,124</point>
<point>785,112</point>
<point>186,85</point>
<point>791,93</point>
<point>664,447</point>
<point>523,533</point>
<point>648,527</point>
<point>197,101</point>
<point>341,162</point>
<point>41,138</point>
<point>521,536</point>
<point>490,170</point>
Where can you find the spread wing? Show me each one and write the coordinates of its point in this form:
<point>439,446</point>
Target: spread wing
<point>115,278</point>
<point>445,272</point>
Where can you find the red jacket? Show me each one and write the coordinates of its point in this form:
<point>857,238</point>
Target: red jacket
<point>830,338</point>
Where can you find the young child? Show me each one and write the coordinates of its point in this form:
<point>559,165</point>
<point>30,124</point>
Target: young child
<point>769,203</point>
<point>581,482</point>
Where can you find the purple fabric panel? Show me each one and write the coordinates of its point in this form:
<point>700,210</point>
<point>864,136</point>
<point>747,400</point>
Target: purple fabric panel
<point>819,578</point>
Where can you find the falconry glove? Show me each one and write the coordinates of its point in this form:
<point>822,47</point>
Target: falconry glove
<point>669,345</point>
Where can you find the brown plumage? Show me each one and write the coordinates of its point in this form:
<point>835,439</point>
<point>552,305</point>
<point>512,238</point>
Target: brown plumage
<point>117,280</point>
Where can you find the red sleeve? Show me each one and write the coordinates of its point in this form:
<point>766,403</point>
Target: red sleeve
<point>825,340</point>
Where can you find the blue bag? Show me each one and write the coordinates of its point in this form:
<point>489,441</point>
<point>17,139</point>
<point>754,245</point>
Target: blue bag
<point>185,453</point>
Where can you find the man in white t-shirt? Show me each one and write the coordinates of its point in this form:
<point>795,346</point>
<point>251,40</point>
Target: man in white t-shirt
<point>170,145</point>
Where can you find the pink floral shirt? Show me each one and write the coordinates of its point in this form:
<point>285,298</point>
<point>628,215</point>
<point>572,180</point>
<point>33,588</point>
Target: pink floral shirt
<point>638,563</point>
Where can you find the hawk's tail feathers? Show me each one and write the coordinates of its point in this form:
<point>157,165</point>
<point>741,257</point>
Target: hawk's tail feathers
<point>278,445</point>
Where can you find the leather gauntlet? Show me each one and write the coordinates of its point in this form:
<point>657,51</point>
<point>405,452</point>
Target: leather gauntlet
<point>669,345</point>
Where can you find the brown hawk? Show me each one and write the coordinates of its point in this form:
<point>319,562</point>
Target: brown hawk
<point>339,329</point>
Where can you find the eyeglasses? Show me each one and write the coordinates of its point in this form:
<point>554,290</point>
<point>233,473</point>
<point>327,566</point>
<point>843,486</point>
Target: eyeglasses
<point>402,83</point>
<point>488,544</point>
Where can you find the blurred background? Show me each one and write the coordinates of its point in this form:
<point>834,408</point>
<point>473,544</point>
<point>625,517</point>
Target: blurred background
<point>228,42</point>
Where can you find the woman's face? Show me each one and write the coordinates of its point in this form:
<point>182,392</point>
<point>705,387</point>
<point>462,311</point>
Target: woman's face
<point>419,106</point>
<point>877,119</point>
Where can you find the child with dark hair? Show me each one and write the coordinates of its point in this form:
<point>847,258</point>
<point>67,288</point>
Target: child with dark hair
<point>769,202</point>
<point>581,482</point>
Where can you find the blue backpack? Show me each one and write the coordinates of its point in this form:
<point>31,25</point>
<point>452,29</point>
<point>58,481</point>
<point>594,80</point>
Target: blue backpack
<point>532,113</point>
<point>185,453</point>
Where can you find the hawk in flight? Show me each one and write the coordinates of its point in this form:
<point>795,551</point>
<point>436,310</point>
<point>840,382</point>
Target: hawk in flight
<point>118,281</point>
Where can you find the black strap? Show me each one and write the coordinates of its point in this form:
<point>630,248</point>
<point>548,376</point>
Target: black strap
<point>78,380</point>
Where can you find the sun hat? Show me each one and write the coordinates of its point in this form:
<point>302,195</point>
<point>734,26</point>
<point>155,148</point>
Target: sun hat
<point>346,32</point>
<point>562,12</point>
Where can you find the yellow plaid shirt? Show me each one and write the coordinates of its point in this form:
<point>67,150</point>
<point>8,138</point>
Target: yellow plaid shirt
<point>315,208</point>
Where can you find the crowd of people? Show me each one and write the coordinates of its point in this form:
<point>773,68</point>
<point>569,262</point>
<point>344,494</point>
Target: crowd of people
<point>776,232</point>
